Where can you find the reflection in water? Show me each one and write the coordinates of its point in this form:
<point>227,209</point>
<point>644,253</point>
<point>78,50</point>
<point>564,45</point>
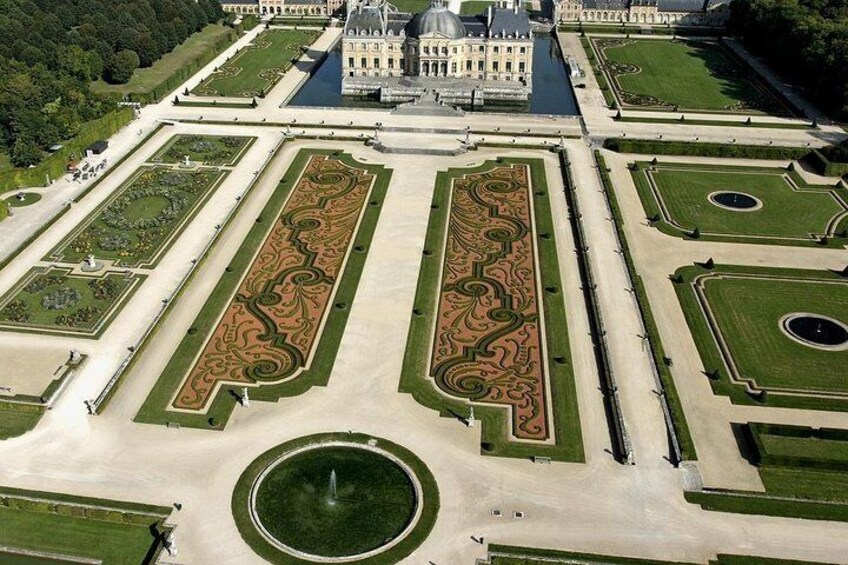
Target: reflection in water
<point>552,92</point>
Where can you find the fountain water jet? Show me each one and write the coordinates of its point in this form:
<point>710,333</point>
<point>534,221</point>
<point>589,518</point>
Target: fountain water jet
<point>333,493</point>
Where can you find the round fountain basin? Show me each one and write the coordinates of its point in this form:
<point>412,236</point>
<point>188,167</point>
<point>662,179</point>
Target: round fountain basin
<point>736,201</point>
<point>335,501</point>
<point>816,330</point>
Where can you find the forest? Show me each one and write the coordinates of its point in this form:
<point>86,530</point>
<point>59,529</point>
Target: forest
<point>805,40</point>
<point>51,50</point>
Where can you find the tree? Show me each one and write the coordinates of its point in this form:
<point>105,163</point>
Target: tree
<point>121,66</point>
<point>25,152</point>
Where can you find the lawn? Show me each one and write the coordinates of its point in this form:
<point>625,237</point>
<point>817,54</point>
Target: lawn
<point>475,7</point>
<point>55,301</point>
<point>17,419</point>
<point>511,555</point>
<point>211,150</point>
<point>498,434</point>
<point>28,198</point>
<point>198,47</point>
<point>687,75</point>
<point>410,6</point>
<point>142,218</point>
<point>113,533</point>
<point>742,309</point>
<point>254,70</point>
<point>677,198</point>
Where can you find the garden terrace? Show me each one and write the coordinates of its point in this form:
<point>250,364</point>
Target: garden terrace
<point>212,150</point>
<point>275,319</point>
<point>741,204</point>
<point>255,69</point>
<point>737,317</point>
<point>704,76</point>
<point>478,328</point>
<point>77,528</point>
<point>142,219</point>
<point>54,301</point>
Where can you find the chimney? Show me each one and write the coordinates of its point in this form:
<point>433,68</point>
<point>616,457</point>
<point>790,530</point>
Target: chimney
<point>489,17</point>
<point>515,6</point>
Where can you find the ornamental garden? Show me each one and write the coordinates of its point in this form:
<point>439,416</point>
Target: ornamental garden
<point>254,70</point>
<point>489,287</point>
<point>275,319</point>
<point>698,75</point>
<point>741,204</point>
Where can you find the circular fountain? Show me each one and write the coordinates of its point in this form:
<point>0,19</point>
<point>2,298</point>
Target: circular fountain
<point>815,330</point>
<point>735,201</point>
<point>339,500</point>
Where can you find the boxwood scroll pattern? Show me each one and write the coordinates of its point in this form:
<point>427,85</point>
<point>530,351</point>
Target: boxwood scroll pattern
<point>273,321</point>
<point>488,344</point>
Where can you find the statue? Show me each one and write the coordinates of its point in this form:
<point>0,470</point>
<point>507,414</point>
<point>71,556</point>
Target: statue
<point>471,418</point>
<point>245,399</point>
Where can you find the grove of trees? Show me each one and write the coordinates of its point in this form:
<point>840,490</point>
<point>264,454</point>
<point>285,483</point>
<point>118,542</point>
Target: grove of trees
<point>805,40</point>
<point>50,50</point>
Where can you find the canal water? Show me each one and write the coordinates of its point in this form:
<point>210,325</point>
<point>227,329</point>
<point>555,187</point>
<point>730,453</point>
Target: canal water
<point>552,92</point>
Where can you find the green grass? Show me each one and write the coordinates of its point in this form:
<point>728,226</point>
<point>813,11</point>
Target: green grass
<point>678,416</point>
<point>676,198</point>
<point>691,75</point>
<point>475,7</point>
<point>29,198</point>
<point>410,6</point>
<point>374,501</point>
<point>495,419</point>
<point>117,534</point>
<point>155,407</point>
<point>259,66</point>
<point>716,123</point>
<point>747,305</point>
<point>108,233</point>
<point>5,161</point>
<point>206,149</point>
<point>89,305</point>
<point>512,555</point>
<point>702,149</point>
<point>210,40</point>
<point>396,554</point>
<point>17,419</point>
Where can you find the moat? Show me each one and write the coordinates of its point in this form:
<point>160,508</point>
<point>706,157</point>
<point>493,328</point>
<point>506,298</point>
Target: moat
<point>552,93</point>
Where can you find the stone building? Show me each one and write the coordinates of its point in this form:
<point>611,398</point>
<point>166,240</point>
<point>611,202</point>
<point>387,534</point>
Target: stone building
<point>463,59</point>
<point>650,12</point>
<point>284,7</point>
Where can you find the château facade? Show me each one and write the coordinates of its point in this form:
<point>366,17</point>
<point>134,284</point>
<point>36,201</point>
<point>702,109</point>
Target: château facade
<point>283,7</point>
<point>491,52</point>
<point>679,12</point>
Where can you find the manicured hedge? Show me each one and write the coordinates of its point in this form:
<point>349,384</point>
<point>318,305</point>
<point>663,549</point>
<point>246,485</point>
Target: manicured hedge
<point>658,147</point>
<point>55,165</point>
<point>757,430</point>
<point>824,166</point>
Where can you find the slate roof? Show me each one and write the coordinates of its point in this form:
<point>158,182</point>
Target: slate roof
<point>507,21</point>
<point>605,4</point>
<point>680,5</point>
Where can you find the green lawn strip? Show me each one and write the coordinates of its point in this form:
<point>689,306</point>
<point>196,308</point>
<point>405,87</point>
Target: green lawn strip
<point>788,216</point>
<point>114,532</point>
<point>155,407</point>
<point>799,446</point>
<point>410,6</point>
<point>53,301</point>
<point>717,123</point>
<point>661,361</point>
<point>703,149</point>
<point>211,150</point>
<point>215,104</point>
<point>152,83</point>
<point>514,555</point>
<point>395,554</point>
<point>255,69</point>
<point>693,75</point>
<point>495,419</point>
<point>4,210</point>
<point>748,311</point>
<point>756,503</point>
<point>475,7</point>
<point>177,196</point>
<point>600,76</point>
<point>16,419</point>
